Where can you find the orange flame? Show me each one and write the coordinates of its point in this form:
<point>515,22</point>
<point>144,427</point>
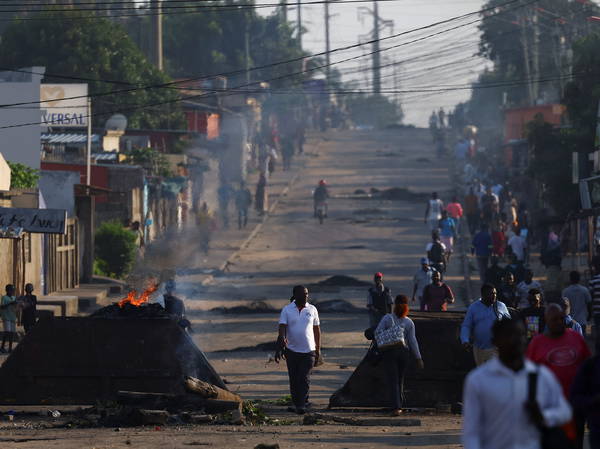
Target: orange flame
<point>135,300</point>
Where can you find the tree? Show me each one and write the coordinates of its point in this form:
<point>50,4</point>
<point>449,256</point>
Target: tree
<point>115,249</point>
<point>22,176</point>
<point>67,44</point>
<point>372,110</point>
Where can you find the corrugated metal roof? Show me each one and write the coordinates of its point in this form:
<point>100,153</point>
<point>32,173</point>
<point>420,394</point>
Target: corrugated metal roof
<point>68,138</point>
<point>105,156</point>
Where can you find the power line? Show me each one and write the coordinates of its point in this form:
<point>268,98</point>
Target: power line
<point>236,72</point>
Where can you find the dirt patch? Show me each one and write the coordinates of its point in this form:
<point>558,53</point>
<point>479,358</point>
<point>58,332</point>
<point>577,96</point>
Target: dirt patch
<point>402,194</point>
<point>253,307</point>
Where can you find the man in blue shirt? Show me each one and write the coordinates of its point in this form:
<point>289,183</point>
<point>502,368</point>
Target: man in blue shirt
<point>476,329</point>
<point>482,248</point>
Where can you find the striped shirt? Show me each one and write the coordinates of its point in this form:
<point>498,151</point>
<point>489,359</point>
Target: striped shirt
<point>595,290</point>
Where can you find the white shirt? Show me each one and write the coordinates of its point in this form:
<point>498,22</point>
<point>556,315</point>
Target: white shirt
<point>299,332</point>
<point>494,416</point>
<point>430,245</point>
<point>435,209</point>
<point>518,245</point>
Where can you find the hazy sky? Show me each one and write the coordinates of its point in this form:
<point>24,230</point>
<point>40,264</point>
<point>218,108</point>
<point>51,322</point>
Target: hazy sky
<point>444,61</point>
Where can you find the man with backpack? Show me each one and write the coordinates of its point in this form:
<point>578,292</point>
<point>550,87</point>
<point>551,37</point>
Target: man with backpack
<point>436,253</point>
<point>379,300</point>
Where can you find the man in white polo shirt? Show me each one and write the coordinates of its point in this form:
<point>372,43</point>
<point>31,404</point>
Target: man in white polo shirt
<point>300,344</point>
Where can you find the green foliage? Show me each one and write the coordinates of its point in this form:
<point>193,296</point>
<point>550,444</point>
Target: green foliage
<point>22,176</point>
<point>374,110</point>
<point>152,160</point>
<point>115,249</point>
<point>212,42</point>
<point>551,165</point>
<point>98,48</point>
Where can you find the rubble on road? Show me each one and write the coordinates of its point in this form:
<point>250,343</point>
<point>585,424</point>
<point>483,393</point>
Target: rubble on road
<point>253,307</point>
<point>446,365</point>
<point>402,194</point>
<point>340,280</point>
<point>337,306</point>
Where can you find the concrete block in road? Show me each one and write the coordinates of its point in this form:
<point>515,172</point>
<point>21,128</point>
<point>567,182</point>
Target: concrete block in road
<point>69,305</point>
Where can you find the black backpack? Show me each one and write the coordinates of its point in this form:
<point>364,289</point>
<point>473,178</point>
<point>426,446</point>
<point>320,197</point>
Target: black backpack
<point>436,253</point>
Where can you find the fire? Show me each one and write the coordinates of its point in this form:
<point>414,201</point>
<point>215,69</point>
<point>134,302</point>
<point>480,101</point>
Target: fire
<point>135,300</point>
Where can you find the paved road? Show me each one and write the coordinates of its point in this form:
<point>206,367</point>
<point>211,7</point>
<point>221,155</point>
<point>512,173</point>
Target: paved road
<point>360,237</point>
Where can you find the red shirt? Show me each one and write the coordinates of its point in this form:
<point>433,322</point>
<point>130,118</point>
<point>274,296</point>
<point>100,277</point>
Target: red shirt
<point>434,297</point>
<point>455,210</point>
<point>563,356</point>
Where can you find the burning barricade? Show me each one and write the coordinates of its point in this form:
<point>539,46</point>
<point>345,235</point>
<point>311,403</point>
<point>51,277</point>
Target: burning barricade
<point>133,350</point>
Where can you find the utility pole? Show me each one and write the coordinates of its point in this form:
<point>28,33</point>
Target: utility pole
<point>283,6</point>
<point>376,54</point>
<point>247,47</point>
<point>327,45</point>
<point>536,56</point>
<point>299,24</point>
<point>157,47</point>
<point>525,45</point>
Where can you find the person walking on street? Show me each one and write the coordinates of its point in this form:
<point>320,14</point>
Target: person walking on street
<point>495,273</point>
<point>421,280</point>
<point>243,200</point>
<point>476,329</point>
<point>562,351</point>
<point>379,300</point>
<point>498,412</point>
<point>455,211</point>
<point>472,211</point>
<point>507,293</point>
<point>395,359</point>
<point>437,253</point>
<point>482,248</point>
<point>518,246</point>
<point>8,312</point>
<point>28,308</point>
<point>433,212</point>
<point>490,205</point>
<point>299,342</point>
<point>580,299</point>
<point>224,193</point>
<point>437,295</point>
<point>585,396</point>
<point>261,197</point>
<point>525,286</point>
<point>565,304</point>
<point>533,316</point>
<point>447,233</point>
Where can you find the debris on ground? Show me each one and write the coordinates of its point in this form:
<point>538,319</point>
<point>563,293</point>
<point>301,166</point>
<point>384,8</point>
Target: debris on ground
<point>253,307</point>
<point>319,418</point>
<point>266,446</point>
<point>270,346</point>
<point>149,310</point>
<point>360,192</point>
<point>336,306</point>
<point>423,159</point>
<point>402,194</point>
<point>340,280</point>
